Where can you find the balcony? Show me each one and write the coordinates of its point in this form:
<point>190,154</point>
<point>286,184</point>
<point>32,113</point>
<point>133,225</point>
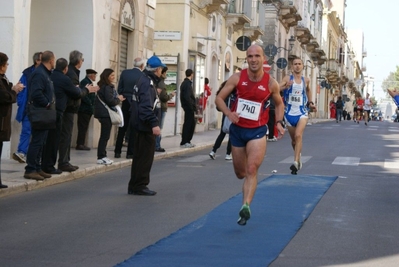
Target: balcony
<point>212,5</point>
<point>253,32</point>
<point>312,45</point>
<point>303,35</point>
<point>237,20</point>
<point>288,15</point>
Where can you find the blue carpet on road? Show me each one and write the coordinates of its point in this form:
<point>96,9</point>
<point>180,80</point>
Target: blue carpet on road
<point>281,205</point>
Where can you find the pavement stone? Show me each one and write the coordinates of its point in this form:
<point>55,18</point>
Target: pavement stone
<point>12,171</point>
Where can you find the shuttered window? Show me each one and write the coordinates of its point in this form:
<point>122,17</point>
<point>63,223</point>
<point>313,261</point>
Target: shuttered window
<point>123,49</point>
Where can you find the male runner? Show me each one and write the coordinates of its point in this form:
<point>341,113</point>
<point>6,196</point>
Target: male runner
<point>395,96</point>
<point>296,92</point>
<point>249,116</point>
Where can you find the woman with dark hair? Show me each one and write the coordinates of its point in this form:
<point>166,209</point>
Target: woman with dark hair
<point>8,96</point>
<point>106,95</point>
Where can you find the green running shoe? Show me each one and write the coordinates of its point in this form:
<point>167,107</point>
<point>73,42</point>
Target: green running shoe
<point>245,214</point>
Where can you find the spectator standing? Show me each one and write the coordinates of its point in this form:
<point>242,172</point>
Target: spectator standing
<point>128,79</point>
<point>164,97</point>
<point>205,96</point>
<point>339,105</point>
<point>273,133</point>
<point>22,117</point>
<point>229,102</point>
<point>333,111</point>
<point>187,100</point>
<point>64,89</point>
<point>86,110</point>
<point>75,63</point>
<point>8,96</point>
<point>145,127</point>
<point>110,97</point>
<point>41,93</point>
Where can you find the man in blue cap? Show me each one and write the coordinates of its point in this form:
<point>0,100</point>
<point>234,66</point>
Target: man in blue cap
<point>144,121</point>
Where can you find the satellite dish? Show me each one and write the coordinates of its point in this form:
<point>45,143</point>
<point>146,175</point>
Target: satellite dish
<point>281,63</point>
<point>242,43</point>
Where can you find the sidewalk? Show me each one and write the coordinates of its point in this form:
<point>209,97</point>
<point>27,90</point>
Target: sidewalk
<point>12,172</point>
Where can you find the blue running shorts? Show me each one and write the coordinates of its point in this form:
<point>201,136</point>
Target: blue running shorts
<point>240,136</point>
<point>396,100</point>
<point>293,120</point>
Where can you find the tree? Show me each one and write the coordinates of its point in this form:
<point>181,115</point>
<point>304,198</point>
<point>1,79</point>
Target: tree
<point>391,81</point>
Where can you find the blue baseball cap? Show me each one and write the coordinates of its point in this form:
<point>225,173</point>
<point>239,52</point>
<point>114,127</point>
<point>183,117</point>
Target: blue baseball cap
<point>155,62</point>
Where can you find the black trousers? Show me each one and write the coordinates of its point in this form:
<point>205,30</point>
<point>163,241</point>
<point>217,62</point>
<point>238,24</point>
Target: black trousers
<point>188,127</point>
<point>83,125</point>
<point>1,151</point>
<point>143,157</point>
<point>106,127</point>
<point>50,149</point>
<point>65,139</point>
<point>219,140</point>
<point>35,150</point>
<point>271,123</point>
<point>122,131</point>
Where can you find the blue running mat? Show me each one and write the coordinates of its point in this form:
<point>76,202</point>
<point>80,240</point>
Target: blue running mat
<point>281,205</point>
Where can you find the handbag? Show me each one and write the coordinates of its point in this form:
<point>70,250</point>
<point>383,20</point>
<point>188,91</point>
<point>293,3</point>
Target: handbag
<point>226,125</point>
<point>226,122</point>
<point>116,118</point>
<point>42,118</point>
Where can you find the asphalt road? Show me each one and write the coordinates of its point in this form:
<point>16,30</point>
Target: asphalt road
<point>93,222</point>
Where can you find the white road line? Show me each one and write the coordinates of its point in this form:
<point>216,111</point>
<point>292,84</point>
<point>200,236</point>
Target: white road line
<point>198,158</point>
<point>350,161</point>
<point>391,164</point>
<point>304,159</point>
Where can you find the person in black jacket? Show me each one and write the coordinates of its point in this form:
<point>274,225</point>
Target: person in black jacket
<point>187,100</point>
<point>8,96</point>
<point>41,94</point>
<point>86,110</point>
<point>108,95</point>
<point>127,81</point>
<point>145,126</point>
<point>64,89</point>
<point>75,63</point>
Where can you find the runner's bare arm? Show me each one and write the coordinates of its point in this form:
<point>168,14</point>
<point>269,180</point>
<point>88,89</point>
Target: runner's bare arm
<point>285,83</point>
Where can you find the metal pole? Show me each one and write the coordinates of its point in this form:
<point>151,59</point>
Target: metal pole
<point>177,96</point>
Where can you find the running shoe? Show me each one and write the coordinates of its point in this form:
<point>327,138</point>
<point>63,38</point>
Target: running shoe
<point>104,161</point>
<point>212,155</point>
<point>294,168</point>
<point>300,162</point>
<point>245,214</point>
<point>274,139</point>
<point>228,157</point>
<point>20,157</point>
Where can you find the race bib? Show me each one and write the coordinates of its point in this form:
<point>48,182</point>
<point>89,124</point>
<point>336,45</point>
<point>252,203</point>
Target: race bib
<point>248,109</point>
<point>295,100</point>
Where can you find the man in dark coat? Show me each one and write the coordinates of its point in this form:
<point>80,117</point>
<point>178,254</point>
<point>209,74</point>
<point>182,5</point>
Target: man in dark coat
<point>64,89</point>
<point>187,100</point>
<point>75,63</point>
<point>8,96</point>
<point>41,94</point>
<point>86,110</point>
<point>145,126</point>
<point>127,81</point>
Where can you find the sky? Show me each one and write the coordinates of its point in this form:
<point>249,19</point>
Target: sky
<point>379,22</point>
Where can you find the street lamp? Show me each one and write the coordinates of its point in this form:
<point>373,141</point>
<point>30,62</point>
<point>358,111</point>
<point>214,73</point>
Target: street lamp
<point>271,50</point>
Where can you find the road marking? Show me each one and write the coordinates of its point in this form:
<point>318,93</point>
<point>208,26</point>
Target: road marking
<point>391,164</point>
<point>351,161</point>
<point>198,158</point>
<point>304,159</point>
